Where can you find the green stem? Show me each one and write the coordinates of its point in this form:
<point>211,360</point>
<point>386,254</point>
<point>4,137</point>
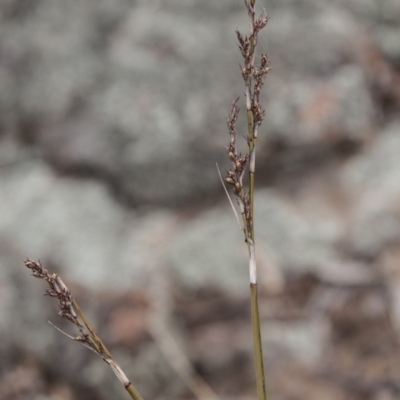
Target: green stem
<point>102,350</point>
<point>96,340</point>
<point>133,392</point>
<point>258,353</point>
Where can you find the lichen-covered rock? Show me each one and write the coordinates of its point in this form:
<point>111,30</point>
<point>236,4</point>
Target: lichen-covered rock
<point>373,179</point>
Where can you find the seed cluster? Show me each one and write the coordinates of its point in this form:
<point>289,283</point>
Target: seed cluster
<point>57,289</point>
<point>70,310</point>
<point>253,77</point>
<point>67,308</point>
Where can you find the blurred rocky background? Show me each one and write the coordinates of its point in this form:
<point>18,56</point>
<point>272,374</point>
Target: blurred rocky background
<point>112,118</point>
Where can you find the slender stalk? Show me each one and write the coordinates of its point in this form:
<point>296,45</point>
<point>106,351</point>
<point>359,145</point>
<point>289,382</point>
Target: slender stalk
<point>96,338</point>
<point>253,77</point>
<point>258,353</point>
<point>133,392</point>
<point>255,325</point>
<point>106,355</point>
<point>69,309</point>
<point>251,140</point>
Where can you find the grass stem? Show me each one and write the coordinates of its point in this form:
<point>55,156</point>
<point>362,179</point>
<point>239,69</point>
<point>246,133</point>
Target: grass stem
<point>70,309</point>
<point>257,344</point>
<point>253,77</point>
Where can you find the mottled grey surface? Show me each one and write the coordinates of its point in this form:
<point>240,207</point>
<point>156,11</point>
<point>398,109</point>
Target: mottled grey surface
<point>112,117</point>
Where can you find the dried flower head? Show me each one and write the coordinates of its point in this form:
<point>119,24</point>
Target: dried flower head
<point>253,76</point>
<point>70,310</point>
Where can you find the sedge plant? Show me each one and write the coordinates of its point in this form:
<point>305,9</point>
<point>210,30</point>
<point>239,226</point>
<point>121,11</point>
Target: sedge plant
<point>70,310</point>
<point>253,75</point>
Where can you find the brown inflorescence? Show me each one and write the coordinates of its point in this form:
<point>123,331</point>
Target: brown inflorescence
<point>66,305</point>
<point>254,77</point>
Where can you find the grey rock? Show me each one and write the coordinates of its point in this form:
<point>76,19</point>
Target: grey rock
<point>78,227</point>
<point>305,340</point>
<point>373,179</point>
<point>386,37</point>
<point>210,249</point>
<point>74,225</point>
<point>135,94</point>
<point>381,18</point>
<point>317,92</point>
<point>297,240</point>
<point>322,111</point>
<point>130,95</point>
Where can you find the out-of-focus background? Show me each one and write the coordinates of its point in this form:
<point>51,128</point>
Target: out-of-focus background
<point>112,117</point>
